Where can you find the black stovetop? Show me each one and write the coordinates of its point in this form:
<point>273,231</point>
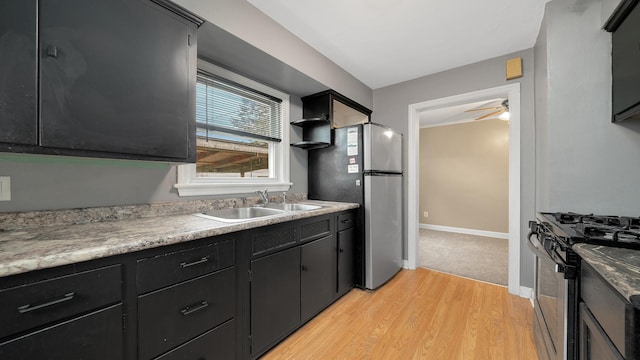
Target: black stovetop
<point>614,231</point>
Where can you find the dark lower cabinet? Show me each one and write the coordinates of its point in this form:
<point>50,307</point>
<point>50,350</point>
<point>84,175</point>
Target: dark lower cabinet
<point>216,344</point>
<point>176,314</point>
<point>345,260</point>
<point>18,72</point>
<point>275,298</point>
<point>95,336</point>
<point>318,273</point>
<point>594,342</point>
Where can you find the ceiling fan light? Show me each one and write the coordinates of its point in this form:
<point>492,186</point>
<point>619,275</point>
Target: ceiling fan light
<point>504,116</point>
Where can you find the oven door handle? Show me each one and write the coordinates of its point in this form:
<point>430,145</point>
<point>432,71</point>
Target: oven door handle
<point>569,271</point>
<point>537,246</point>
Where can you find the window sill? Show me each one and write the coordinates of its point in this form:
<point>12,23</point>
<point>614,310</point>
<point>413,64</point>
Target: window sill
<point>204,189</point>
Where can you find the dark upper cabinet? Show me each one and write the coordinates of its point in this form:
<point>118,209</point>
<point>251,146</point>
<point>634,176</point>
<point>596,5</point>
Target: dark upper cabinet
<point>18,69</point>
<point>324,111</point>
<point>117,76</point>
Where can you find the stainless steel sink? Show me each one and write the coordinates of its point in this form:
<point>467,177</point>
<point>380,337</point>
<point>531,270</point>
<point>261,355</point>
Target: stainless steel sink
<point>292,207</point>
<point>240,214</point>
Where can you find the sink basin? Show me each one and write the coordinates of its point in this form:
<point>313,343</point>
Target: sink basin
<point>292,207</point>
<point>240,214</point>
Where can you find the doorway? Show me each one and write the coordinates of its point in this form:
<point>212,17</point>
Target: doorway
<point>510,92</point>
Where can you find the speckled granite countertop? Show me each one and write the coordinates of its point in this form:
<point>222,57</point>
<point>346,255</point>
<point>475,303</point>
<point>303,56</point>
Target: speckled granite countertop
<point>28,249</point>
<point>619,267</point>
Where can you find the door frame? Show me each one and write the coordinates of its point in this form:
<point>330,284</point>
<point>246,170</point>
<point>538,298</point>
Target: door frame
<point>512,92</point>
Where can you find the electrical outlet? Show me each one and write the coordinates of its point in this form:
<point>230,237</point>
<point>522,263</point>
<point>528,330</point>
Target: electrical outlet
<point>5,188</point>
<point>426,214</point>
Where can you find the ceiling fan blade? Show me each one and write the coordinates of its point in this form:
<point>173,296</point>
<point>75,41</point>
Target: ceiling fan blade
<point>490,114</point>
<point>482,109</point>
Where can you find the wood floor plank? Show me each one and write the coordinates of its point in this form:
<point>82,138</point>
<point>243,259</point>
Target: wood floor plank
<point>419,314</point>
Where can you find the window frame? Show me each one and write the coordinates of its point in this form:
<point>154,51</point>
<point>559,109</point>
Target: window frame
<point>188,184</point>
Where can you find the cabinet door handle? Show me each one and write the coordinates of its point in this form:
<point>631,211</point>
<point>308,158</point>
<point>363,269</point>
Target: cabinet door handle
<point>303,267</point>
<point>185,265</point>
<point>193,308</point>
<point>340,251</point>
<point>346,221</point>
<point>27,308</point>
<point>52,51</point>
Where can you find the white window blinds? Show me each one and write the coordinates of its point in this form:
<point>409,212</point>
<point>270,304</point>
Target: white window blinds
<point>224,106</point>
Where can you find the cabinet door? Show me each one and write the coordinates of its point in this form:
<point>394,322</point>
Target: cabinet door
<point>18,69</point>
<point>318,275</point>
<point>594,342</point>
<point>345,260</point>
<point>275,298</point>
<point>116,76</point>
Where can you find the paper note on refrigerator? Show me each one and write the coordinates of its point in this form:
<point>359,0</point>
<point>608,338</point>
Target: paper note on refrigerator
<point>351,169</point>
<point>352,141</point>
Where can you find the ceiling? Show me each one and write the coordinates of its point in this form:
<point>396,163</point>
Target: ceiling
<point>459,113</point>
<point>384,42</point>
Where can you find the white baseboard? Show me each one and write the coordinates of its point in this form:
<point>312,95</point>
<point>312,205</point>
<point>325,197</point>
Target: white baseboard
<point>527,293</point>
<point>405,265</point>
<point>493,234</point>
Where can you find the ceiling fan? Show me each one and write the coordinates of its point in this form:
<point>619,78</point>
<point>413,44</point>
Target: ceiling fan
<point>501,111</point>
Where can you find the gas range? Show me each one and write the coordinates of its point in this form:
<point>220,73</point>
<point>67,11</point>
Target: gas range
<point>572,228</point>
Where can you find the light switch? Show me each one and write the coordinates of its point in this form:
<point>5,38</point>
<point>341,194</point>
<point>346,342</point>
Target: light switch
<point>5,188</point>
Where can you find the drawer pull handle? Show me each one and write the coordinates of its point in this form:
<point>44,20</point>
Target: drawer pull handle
<point>191,309</point>
<point>346,221</point>
<point>27,308</point>
<point>185,265</point>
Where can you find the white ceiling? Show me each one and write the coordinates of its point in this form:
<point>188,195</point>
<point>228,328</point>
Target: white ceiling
<point>384,42</point>
<point>458,114</point>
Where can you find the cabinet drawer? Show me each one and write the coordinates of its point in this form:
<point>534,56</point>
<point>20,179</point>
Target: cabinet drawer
<point>95,336</point>
<point>28,306</point>
<point>275,237</point>
<point>345,221</point>
<point>174,315</point>
<point>315,229</point>
<point>218,344</point>
<point>183,265</point>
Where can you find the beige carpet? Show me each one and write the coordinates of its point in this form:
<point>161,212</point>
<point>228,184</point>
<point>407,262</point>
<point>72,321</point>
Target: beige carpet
<point>476,257</point>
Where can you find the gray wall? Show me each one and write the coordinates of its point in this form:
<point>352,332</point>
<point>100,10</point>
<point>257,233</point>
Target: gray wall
<point>587,164</point>
<point>391,108</point>
<point>243,20</point>
<point>55,182</point>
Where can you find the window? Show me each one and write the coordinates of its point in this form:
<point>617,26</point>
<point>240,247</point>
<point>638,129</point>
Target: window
<point>242,137</point>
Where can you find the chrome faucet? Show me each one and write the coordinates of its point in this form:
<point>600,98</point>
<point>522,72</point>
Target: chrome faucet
<point>264,196</point>
<point>284,198</point>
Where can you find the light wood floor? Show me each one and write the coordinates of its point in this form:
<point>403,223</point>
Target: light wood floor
<point>420,314</point>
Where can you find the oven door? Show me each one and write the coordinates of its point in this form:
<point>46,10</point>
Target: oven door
<point>553,295</point>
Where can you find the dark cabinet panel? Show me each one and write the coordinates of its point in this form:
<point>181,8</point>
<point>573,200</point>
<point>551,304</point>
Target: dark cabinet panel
<point>174,315</point>
<point>95,336</point>
<point>183,265</point>
<point>18,70</point>
<point>318,276</point>
<point>275,298</point>
<point>116,76</point>
<point>40,303</point>
<point>594,342</point>
<point>215,344</point>
<point>345,260</point>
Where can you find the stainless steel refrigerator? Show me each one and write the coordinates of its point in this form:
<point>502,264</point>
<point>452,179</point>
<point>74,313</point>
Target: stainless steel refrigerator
<point>364,165</point>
